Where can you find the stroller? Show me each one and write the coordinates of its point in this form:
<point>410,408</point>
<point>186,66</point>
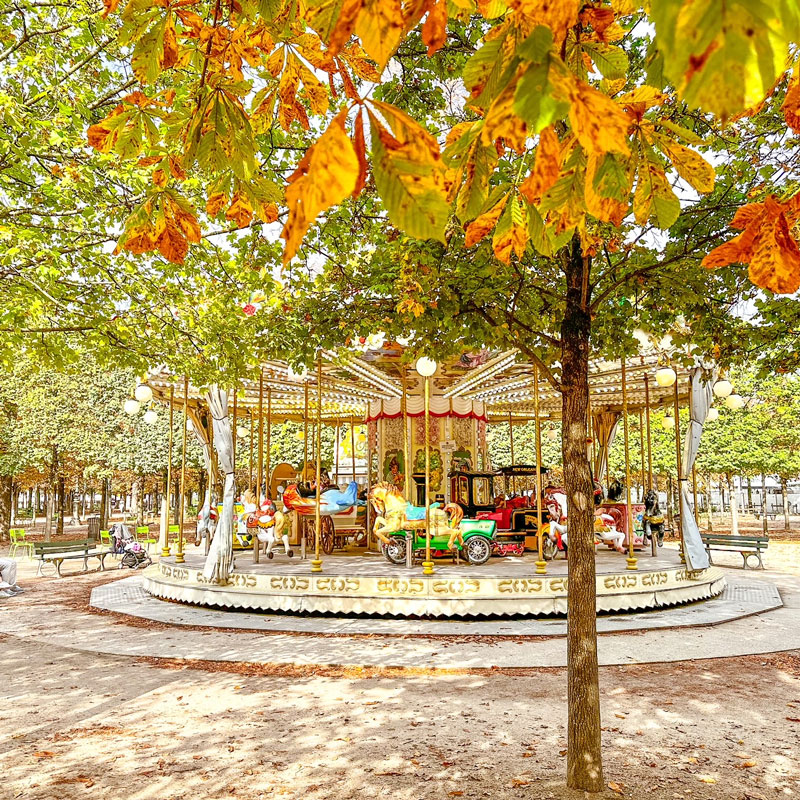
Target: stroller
<point>123,543</point>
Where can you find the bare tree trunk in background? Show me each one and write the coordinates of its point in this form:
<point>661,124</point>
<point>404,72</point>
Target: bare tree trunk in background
<point>60,505</point>
<point>6,495</point>
<point>140,501</point>
<point>36,503</point>
<point>750,496</point>
<point>104,505</point>
<point>785,494</point>
<point>76,504</point>
<point>584,759</point>
<point>15,493</point>
<point>765,520</point>
<point>734,506</point>
<point>133,507</point>
<point>709,489</point>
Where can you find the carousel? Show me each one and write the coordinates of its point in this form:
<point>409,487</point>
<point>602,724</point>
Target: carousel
<point>423,524</point>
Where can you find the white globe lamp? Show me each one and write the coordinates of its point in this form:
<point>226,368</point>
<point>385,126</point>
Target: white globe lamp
<point>713,415</point>
<point>723,388</point>
<point>131,406</point>
<point>150,417</point>
<point>425,366</point>
<point>665,376</point>
<point>668,423</point>
<point>143,393</point>
<point>552,434</point>
<point>734,402</point>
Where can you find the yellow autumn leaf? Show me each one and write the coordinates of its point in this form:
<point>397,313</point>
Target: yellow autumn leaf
<point>546,168</point>
<point>240,210</point>
<point>503,123</point>
<point>215,203</point>
<point>690,165</point>
<point>381,27</point>
<point>326,175</point>
<point>558,15</point>
<point>511,234</point>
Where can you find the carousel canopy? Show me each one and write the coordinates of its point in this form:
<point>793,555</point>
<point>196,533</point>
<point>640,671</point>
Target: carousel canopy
<point>486,385</point>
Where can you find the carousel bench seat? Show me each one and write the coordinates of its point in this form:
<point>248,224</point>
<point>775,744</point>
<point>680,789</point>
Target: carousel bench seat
<point>746,546</point>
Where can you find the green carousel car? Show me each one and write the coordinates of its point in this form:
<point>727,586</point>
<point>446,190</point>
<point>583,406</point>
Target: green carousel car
<point>479,534</point>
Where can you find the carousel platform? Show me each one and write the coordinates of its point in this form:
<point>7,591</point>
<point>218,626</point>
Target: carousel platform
<point>363,583</point>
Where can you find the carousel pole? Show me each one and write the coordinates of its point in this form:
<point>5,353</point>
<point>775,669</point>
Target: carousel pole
<point>369,476</point>
<point>179,559</point>
<point>641,450</point>
<point>165,553</point>
<point>426,367</point>
<point>337,437</point>
<point>541,564</point>
<point>251,485</point>
<point>649,433</point>
<point>316,564</point>
<point>406,456</point>
<point>256,542</point>
<point>305,435</point>
<point>260,436</point>
<point>353,446</point>
<point>694,493</point>
<point>631,559</point>
<point>235,431</point>
<point>678,467</point>
<point>511,441</point>
<point>268,459</point>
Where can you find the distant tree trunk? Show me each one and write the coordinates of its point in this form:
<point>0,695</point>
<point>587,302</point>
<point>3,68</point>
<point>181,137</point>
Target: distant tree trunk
<point>765,521</point>
<point>709,490</point>
<point>104,505</point>
<point>36,503</point>
<point>750,497</point>
<point>785,494</point>
<point>734,506</point>
<point>61,506</point>
<point>139,487</point>
<point>584,759</point>
<point>15,492</point>
<point>176,497</point>
<point>6,484</point>
<point>670,520</point>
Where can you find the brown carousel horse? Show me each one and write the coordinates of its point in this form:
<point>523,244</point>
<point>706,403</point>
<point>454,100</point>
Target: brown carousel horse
<point>395,514</point>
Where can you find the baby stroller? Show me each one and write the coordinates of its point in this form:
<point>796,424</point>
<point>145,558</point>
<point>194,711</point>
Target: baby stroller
<point>123,543</point>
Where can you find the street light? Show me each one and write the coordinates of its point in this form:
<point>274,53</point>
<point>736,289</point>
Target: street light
<point>668,423</point>
<point>150,417</point>
<point>426,367</point>
<point>713,415</point>
<point>143,393</point>
<point>131,406</point>
<point>552,434</point>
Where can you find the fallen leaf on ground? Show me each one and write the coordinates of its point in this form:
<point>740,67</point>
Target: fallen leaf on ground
<point>619,788</point>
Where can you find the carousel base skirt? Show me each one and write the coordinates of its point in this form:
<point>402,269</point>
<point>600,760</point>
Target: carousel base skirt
<point>367,585</point>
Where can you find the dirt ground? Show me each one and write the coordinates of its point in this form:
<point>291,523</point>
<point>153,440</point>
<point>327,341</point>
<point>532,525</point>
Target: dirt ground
<point>81,725</point>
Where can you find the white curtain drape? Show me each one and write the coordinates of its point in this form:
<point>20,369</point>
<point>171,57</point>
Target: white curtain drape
<point>219,561</point>
<point>605,429</point>
<point>201,434</point>
<point>699,403</point>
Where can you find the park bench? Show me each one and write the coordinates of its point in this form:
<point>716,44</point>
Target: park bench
<point>57,553</point>
<point>746,546</point>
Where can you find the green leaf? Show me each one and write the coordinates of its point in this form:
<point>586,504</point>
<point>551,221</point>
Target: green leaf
<point>611,62</point>
<point>533,101</point>
<point>537,46</point>
<point>612,178</point>
<point>538,233</point>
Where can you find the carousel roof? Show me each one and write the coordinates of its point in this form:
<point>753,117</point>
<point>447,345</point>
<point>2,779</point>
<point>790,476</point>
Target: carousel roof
<point>503,383</point>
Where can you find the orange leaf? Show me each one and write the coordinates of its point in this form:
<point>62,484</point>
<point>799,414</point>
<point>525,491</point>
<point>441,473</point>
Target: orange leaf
<point>434,30</point>
<point>479,227</point>
<point>100,137</point>
<point>187,222</point>
<point>345,23</point>
<point>140,240</point>
<point>776,261</point>
<point>326,175</point>
<point>546,168</point>
<point>172,245</point>
<point>170,55</point>
<point>558,15</point>
<point>110,6</point>
<point>791,106</point>
<point>361,154</point>
<point>511,234</point>
<point>176,169</point>
<point>215,203</point>
<point>160,177</point>
<point>240,210</point>
<point>267,212</point>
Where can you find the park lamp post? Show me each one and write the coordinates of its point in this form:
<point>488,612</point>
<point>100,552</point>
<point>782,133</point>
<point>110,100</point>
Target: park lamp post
<point>426,367</point>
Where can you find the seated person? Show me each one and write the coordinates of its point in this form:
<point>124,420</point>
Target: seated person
<point>8,578</point>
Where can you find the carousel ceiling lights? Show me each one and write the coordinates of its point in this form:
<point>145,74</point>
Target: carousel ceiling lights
<point>552,434</point>
<point>723,388</point>
<point>477,376</point>
<point>150,417</point>
<point>668,423</point>
<point>665,376</point>
<point>713,415</point>
<point>131,406</point>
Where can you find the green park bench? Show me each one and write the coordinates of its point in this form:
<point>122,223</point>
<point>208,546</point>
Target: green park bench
<point>746,546</point>
<point>56,553</point>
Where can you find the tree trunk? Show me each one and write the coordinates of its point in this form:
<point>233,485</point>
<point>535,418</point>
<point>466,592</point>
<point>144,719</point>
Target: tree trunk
<point>709,490</point>
<point>765,521</point>
<point>140,501</point>
<point>584,764</point>
<point>35,514</point>
<point>6,494</point>
<point>785,494</point>
<point>734,507</point>
<point>104,505</point>
<point>61,506</point>
<point>750,497</point>
<point>15,493</point>
<point>670,520</point>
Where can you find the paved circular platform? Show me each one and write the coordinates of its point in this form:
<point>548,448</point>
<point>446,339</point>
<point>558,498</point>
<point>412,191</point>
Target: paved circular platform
<point>368,585</point>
